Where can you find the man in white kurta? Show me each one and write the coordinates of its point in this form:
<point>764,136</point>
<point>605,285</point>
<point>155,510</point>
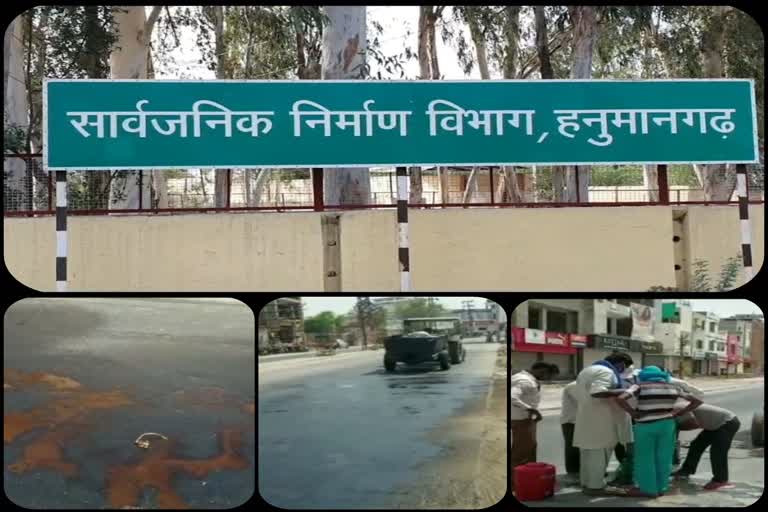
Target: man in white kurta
<point>600,424</point>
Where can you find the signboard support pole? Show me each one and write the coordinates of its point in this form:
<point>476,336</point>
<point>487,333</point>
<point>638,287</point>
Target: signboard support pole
<point>403,250</point>
<point>663,184</point>
<point>578,185</point>
<point>490,178</point>
<point>141,189</point>
<point>746,227</point>
<point>317,189</point>
<point>61,231</point>
<point>229,188</point>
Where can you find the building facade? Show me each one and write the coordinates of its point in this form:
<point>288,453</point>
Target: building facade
<point>742,326</point>
<point>573,333</point>
<point>281,322</point>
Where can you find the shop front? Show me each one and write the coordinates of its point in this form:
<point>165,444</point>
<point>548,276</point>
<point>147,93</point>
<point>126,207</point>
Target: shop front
<point>699,366</point>
<point>652,354</point>
<point>712,363</point>
<point>531,345</point>
<point>600,345</point>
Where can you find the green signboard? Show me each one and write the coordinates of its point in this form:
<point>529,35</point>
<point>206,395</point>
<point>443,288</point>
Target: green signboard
<point>669,311</point>
<point>153,124</point>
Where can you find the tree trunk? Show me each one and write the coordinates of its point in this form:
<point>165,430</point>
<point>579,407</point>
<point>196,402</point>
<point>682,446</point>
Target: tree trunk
<point>470,185</point>
<point>423,43</point>
<point>129,60</point>
<point>478,40</point>
<point>416,185</point>
<point>584,20</point>
<point>17,193</point>
<point>718,180</point>
<point>513,194</point>
<point>343,57</point>
<point>542,45</point>
<point>511,40</point>
<point>220,183</point>
<point>96,182</point>
<point>650,172</point>
<point>247,187</point>
<point>433,62</point>
<point>445,197</point>
<point>651,182</point>
<point>258,186</point>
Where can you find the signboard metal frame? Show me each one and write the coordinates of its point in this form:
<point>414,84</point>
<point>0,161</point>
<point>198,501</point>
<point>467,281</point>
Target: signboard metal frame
<point>47,166</point>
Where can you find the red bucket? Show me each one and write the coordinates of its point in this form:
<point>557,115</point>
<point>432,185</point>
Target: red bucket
<point>534,481</point>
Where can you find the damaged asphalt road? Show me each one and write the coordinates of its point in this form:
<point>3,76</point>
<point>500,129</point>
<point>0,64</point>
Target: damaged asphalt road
<point>84,378</point>
<point>338,432</point>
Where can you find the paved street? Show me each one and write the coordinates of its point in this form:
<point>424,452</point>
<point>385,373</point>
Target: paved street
<point>339,432</point>
<point>746,462</point>
<point>83,378</point>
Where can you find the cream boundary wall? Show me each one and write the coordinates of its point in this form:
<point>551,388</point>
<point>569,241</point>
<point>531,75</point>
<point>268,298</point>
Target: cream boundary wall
<point>713,234</point>
<point>474,249</point>
<point>253,252</point>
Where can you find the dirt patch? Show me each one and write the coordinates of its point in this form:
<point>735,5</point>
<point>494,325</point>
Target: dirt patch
<point>472,473</point>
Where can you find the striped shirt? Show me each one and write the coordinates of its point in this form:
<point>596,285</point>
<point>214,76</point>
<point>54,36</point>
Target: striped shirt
<point>655,400</point>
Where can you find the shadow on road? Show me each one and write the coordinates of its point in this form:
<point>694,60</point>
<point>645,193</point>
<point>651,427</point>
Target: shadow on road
<point>26,320</point>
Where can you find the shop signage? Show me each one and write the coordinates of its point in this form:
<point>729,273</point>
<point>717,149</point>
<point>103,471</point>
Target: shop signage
<point>556,338</point>
<point>611,342</point>
<point>711,355</point>
<point>578,340</point>
<point>651,347</point>
<point>698,354</point>
<point>535,336</point>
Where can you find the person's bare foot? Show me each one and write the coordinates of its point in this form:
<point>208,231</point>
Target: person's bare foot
<point>637,493</point>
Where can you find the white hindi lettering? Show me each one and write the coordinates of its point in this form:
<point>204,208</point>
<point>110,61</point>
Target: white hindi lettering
<point>297,114</point>
<point>477,119</point>
<point>569,119</point>
<point>255,120</point>
<point>385,119</point>
<point>220,111</point>
<point>140,118</point>
<point>454,110</point>
<point>395,116</point>
<point>251,122</point>
<point>80,124</point>
<point>566,118</point>
<point>727,125</point>
<point>631,120</point>
<point>602,118</point>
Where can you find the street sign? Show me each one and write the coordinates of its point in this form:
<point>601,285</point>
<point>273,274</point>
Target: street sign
<point>156,124</point>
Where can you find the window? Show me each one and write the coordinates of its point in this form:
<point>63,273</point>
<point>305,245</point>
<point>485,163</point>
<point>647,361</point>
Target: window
<point>711,346</point>
<point>534,318</point>
<point>712,326</point>
<point>557,321</point>
<point>721,347</point>
<point>699,344</point>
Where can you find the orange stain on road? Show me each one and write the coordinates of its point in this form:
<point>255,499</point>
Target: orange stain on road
<point>125,482</point>
<point>55,382</point>
<point>45,453</point>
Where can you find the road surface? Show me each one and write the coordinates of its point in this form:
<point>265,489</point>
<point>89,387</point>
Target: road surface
<point>745,461</point>
<point>338,432</point>
<point>83,378</point>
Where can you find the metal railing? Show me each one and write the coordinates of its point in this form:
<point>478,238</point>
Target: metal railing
<point>29,191</point>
